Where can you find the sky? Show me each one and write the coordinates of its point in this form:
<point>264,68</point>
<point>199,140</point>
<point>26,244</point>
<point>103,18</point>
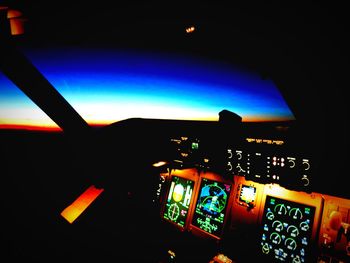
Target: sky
<point>105,86</point>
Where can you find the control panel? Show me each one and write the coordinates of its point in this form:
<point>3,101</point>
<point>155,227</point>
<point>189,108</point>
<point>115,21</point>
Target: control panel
<point>260,160</point>
<point>286,230</point>
<point>269,166</point>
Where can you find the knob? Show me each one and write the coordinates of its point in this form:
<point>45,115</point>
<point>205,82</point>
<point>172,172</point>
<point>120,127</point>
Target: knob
<point>305,181</point>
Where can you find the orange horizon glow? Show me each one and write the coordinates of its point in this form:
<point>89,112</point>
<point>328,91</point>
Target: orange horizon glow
<point>73,211</point>
<point>30,127</point>
<point>54,128</point>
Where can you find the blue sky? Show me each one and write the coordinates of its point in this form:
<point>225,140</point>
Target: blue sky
<point>105,86</point>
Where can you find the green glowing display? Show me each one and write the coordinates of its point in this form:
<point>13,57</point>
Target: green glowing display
<point>178,200</point>
<point>211,206</point>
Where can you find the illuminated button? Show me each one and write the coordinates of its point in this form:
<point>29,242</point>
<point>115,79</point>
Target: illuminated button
<point>306,164</point>
<point>304,241</point>
<point>291,162</point>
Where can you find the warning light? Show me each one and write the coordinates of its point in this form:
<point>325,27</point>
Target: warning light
<point>81,203</point>
<point>190,29</point>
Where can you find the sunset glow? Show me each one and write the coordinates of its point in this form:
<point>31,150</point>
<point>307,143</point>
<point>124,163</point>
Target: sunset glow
<point>105,86</point>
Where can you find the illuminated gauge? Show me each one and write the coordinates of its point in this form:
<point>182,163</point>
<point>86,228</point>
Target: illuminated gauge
<point>265,248</point>
<point>295,213</point>
<point>277,225</point>
<point>275,238</point>
<point>304,226</point>
<point>270,215</point>
<point>296,259</point>
<point>290,243</point>
<point>173,212</point>
<point>293,231</point>
<point>280,209</point>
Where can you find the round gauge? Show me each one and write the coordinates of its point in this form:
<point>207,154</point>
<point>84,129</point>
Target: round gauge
<point>213,199</point>
<point>270,215</point>
<point>173,212</point>
<point>277,225</point>
<point>290,243</point>
<point>293,231</point>
<point>296,259</point>
<point>280,209</point>
<point>178,192</point>
<point>265,248</point>
<point>275,238</point>
<point>304,226</point>
<point>295,213</point>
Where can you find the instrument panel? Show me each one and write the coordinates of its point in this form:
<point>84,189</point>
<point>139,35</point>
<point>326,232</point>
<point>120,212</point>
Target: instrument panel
<point>276,223</point>
<point>257,195</point>
<point>286,230</point>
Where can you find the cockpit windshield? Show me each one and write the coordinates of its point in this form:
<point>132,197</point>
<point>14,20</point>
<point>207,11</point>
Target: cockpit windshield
<point>105,86</point>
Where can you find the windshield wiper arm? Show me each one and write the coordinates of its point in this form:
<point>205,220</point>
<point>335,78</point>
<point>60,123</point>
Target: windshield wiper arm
<point>28,78</point>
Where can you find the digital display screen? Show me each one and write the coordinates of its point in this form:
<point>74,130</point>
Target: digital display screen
<point>286,230</point>
<point>178,201</point>
<point>247,194</point>
<point>211,206</point>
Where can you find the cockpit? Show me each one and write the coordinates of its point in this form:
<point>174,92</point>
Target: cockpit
<point>145,132</point>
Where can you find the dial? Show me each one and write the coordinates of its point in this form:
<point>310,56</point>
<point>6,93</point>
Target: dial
<point>295,213</point>
<point>275,238</point>
<point>304,226</point>
<point>173,212</point>
<point>265,248</point>
<point>290,243</point>
<point>293,231</point>
<point>270,215</point>
<point>277,225</point>
<point>296,259</point>
<point>280,209</point>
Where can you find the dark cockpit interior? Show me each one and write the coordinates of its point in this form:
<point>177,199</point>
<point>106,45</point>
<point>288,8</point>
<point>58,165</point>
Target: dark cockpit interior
<point>159,145</point>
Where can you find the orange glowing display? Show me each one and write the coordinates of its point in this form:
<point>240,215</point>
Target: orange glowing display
<point>73,211</point>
